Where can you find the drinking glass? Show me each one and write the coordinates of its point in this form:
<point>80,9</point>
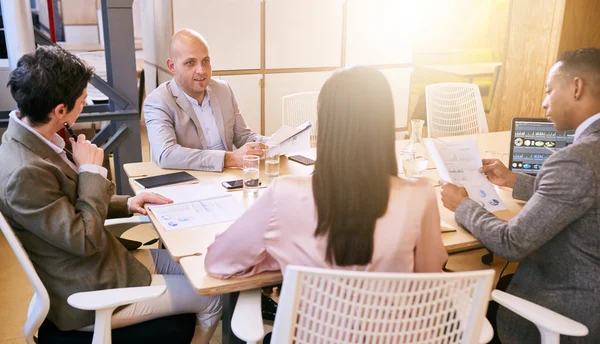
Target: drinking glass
<point>251,170</point>
<point>414,166</point>
<point>272,160</point>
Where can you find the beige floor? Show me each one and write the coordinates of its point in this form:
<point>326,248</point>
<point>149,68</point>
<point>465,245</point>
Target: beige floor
<point>16,292</point>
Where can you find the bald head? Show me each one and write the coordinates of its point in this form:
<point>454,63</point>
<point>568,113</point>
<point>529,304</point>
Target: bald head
<point>185,39</point>
<point>189,62</point>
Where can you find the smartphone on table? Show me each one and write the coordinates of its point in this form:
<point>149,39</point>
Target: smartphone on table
<point>302,159</point>
<point>234,184</point>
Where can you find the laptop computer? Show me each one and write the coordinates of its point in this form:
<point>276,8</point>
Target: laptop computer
<point>533,140</point>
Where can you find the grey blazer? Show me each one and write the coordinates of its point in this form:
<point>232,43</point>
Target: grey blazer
<point>176,136</point>
<point>59,216</point>
<point>556,239</point>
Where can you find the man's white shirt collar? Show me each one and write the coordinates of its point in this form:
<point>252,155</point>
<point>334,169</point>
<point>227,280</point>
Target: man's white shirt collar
<point>58,144</point>
<point>583,126</point>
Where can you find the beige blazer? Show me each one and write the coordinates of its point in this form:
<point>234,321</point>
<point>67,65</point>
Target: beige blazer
<point>59,216</point>
<point>176,136</point>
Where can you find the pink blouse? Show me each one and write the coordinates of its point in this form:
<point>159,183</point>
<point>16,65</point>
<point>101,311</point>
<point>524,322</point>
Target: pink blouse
<point>279,230</point>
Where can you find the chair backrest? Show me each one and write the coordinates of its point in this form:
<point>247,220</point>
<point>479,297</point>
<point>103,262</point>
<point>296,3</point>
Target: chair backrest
<point>40,302</point>
<point>339,306</point>
<point>299,108</point>
<point>454,109</point>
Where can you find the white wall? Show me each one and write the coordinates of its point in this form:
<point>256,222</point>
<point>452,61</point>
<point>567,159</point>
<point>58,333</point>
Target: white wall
<point>299,34</point>
<point>246,89</point>
<point>231,27</point>
<point>157,30</point>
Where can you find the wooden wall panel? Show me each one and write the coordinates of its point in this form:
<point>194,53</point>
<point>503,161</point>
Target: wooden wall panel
<point>581,26</point>
<point>79,12</point>
<point>531,40</point>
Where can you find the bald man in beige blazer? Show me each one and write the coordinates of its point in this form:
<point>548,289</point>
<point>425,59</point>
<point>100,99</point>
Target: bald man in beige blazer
<point>194,121</point>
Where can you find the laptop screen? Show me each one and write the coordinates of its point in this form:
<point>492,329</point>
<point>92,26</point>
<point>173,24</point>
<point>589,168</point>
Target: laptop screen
<point>533,140</point>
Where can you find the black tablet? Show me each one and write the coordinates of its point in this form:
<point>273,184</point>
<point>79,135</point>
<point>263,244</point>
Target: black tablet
<point>532,141</point>
<point>166,179</point>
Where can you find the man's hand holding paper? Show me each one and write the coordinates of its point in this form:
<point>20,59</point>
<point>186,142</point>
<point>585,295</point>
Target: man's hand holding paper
<point>459,162</point>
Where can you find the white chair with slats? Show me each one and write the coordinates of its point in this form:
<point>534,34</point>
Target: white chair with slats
<point>104,302</point>
<point>338,306</point>
<point>454,109</point>
<point>299,108</point>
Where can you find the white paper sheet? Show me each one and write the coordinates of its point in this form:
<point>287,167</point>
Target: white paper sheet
<point>292,140</point>
<point>458,162</point>
<point>197,213</point>
<point>189,192</point>
<point>446,227</point>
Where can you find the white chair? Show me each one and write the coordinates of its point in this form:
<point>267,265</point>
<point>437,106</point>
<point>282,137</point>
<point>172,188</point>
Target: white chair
<point>454,109</point>
<point>336,306</point>
<point>104,302</point>
<point>299,108</point>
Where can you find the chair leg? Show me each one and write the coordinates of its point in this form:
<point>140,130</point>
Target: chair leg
<point>487,258</point>
<point>102,326</point>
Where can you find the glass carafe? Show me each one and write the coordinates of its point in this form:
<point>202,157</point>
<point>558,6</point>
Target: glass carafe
<point>414,154</point>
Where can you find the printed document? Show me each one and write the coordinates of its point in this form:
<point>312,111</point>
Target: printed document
<point>195,205</point>
<point>292,140</point>
<point>458,163</point>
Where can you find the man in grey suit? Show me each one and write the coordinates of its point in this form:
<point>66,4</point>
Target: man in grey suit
<point>57,200</point>
<point>556,237</point>
<point>193,121</point>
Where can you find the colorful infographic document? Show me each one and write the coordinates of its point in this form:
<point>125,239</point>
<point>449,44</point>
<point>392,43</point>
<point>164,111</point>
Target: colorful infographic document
<point>458,163</point>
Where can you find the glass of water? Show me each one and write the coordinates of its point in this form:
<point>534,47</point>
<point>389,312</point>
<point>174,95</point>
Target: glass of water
<point>414,166</point>
<point>251,170</point>
<point>272,160</point>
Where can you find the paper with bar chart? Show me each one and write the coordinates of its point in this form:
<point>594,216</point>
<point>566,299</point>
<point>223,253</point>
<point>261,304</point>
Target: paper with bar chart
<point>458,163</point>
<point>196,213</point>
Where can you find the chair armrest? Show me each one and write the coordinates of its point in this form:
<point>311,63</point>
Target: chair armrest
<point>487,332</point>
<point>545,319</point>
<point>246,322</point>
<point>112,298</point>
<point>121,225</point>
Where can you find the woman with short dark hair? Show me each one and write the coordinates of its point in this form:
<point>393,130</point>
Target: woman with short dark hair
<point>354,212</point>
<point>57,201</point>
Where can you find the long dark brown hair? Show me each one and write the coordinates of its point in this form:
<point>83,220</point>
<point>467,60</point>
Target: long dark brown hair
<point>355,159</point>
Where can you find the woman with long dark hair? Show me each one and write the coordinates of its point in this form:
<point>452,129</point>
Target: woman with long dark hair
<point>354,212</point>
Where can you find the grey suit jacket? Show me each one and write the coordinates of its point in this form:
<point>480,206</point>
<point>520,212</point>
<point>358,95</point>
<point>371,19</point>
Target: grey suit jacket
<point>556,238</point>
<point>59,216</point>
<point>176,136</point>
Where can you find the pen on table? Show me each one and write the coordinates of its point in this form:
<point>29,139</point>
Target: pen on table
<point>70,130</point>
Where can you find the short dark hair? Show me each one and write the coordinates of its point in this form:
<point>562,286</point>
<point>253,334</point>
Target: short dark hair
<point>583,63</point>
<point>355,160</point>
<point>46,78</point>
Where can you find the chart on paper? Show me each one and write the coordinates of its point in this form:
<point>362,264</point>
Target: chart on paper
<point>197,213</point>
<point>458,162</point>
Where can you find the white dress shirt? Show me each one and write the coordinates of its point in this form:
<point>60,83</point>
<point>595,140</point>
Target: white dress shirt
<point>208,122</point>
<point>58,145</point>
<point>583,126</point>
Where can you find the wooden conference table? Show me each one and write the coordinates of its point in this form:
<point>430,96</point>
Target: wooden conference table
<point>188,246</point>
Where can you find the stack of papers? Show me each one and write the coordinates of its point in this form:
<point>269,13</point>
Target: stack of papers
<point>195,205</point>
<point>458,163</point>
<point>292,140</point>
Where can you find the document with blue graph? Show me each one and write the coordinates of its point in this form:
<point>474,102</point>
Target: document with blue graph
<point>458,163</point>
<point>197,213</point>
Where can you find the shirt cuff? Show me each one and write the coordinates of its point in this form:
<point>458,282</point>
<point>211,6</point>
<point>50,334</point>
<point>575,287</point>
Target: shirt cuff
<point>93,169</point>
